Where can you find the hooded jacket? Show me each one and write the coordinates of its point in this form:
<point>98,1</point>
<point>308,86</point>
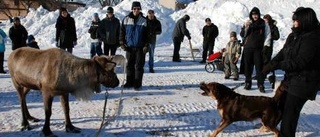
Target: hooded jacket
<point>3,37</point>
<point>257,34</point>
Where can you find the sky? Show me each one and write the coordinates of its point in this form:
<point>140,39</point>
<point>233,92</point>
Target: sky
<point>170,103</point>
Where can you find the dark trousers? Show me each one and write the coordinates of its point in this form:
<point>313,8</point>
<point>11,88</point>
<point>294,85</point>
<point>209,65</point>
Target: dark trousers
<point>135,64</point>
<point>291,114</point>
<point>110,49</point>
<point>95,49</point>
<point>176,49</point>
<point>67,49</point>
<point>253,59</point>
<point>1,61</point>
<point>207,47</point>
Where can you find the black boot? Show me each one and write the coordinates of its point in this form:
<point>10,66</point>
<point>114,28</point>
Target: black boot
<point>261,89</point>
<point>247,86</point>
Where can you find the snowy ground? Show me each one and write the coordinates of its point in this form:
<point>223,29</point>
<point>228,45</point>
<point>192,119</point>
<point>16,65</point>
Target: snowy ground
<point>169,103</point>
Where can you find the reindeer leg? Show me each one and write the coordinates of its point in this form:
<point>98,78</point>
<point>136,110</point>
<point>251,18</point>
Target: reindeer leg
<point>223,124</point>
<point>29,117</point>
<point>47,101</point>
<point>24,110</point>
<point>64,99</point>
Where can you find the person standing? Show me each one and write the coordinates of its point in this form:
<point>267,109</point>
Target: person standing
<point>18,34</point>
<point>134,40</point>
<point>66,36</point>
<point>110,31</point>
<point>300,59</point>
<point>209,32</point>
<point>155,29</point>
<point>257,34</point>
<point>267,51</point>
<point>3,37</point>
<point>180,30</point>
<point>95,47</point>
<point>231,57</point>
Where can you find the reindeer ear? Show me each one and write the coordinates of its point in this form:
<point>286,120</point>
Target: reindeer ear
<point>104,62</point>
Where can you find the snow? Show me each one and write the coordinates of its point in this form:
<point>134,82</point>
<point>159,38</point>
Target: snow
<point>170,103</point>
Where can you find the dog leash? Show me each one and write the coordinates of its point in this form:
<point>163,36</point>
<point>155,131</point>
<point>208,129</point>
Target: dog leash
<point>117,110</point>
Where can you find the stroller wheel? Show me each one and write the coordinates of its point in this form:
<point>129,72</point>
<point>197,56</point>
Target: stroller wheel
<point>210,67</point>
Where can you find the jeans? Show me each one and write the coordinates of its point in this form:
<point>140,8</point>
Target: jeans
<point>95,49</point>
<point>152,46</point>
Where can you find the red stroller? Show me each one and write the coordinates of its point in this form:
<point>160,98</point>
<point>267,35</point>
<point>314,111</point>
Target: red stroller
<point>214,61</point>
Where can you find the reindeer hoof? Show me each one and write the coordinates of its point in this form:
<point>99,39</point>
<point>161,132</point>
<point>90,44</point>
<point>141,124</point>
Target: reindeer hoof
<point>49,135</point>
<point>25,128</point>
<point>73,129</point>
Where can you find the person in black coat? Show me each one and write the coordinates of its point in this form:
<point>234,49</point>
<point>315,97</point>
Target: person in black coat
<point>109,32</point>
<point>18,34</point>
<point>209,33</point>
<point>257,35</point>
<point>95,47</point>
<point>66,36</point>
<point>155,29</point>
<point>267,51</point>
<point>300,59</point>
<point>179,31</point>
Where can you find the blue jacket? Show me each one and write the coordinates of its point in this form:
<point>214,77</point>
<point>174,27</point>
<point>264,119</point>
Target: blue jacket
<point>134,31</point>
<point>3,36</point>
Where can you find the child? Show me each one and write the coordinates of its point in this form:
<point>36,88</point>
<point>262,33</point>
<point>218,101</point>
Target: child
<point>231,57</point>
<point>32,42</point>
<point>3,36</point>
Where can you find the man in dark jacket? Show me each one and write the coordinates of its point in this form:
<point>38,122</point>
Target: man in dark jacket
<point>95,47</point>
<point>66,36</point>
<point>134,40</point>
<point>180,30</point>
<point>257,34</point>
<point>110,31</point>
<point>18,34</point>
<point>155,29</point>
<point>209,33</point>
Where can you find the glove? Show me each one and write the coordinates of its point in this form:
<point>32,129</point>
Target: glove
<point>74,43</point>
<point>189,37</point>
<point>145,49</point>
<point>235,60</point>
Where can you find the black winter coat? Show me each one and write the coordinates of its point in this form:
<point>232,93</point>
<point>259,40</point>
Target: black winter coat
<point>109,30</point>
<point>275,35</point>
<point>210,33</point>
<point>254,35</point>
<point>180,30</point>
<point>155,29</point>
<point>93,30</point>
<point>66,31</point>
<point>18,35</point>
<point>300,59</point>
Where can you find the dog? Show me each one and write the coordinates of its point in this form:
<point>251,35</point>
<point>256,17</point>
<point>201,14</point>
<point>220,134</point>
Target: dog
<point>120,60</point>
<point>236,107</point>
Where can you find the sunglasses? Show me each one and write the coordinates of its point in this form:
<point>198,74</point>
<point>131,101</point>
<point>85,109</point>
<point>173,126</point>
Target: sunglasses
<point>136,8</point>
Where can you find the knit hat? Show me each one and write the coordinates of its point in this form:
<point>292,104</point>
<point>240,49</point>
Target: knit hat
<point>208,19</point>
<point>136,4</point>
<point>16,19</point>
<point>233,34</point>
<point>63,9</point>
<point>95,15</point>
<point>110,10</point>
<point>30,38</point>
